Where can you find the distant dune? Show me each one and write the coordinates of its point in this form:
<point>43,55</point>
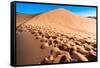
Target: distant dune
<point>55,36</point>
<point>22,18</point>
<point>92,17</point>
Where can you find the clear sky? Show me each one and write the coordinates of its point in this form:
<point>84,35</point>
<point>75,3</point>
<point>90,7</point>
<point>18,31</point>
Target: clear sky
<point>29,8</point>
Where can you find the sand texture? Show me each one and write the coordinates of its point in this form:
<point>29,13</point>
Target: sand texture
<point>56,36</point>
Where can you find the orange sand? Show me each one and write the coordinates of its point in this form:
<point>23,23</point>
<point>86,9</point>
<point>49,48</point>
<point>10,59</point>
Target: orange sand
<point>55,36</point>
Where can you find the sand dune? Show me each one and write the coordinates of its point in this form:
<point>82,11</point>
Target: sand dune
<point>65,19</point>
<point>56,36</point>
<point>22,18</point>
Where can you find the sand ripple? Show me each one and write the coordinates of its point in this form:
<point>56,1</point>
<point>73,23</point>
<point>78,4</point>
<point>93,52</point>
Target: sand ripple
<point>65,47</point>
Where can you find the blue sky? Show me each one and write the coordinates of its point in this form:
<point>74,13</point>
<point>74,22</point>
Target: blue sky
<point>29,8</point>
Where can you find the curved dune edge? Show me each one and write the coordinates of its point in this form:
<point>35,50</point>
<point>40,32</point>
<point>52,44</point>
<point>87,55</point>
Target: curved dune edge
<point>45,39</point>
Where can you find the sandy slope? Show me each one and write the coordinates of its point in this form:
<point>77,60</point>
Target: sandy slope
<point>56,36</point>
<point>28,49</point>
<point>61,19</point>
<point>21,18</point>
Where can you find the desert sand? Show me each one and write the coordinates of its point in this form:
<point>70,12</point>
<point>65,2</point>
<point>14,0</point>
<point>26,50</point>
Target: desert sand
<point>22,18</point>
<point>56,36</point>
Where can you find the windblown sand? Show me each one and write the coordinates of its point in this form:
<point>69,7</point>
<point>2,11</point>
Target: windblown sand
<point>56,36</point>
